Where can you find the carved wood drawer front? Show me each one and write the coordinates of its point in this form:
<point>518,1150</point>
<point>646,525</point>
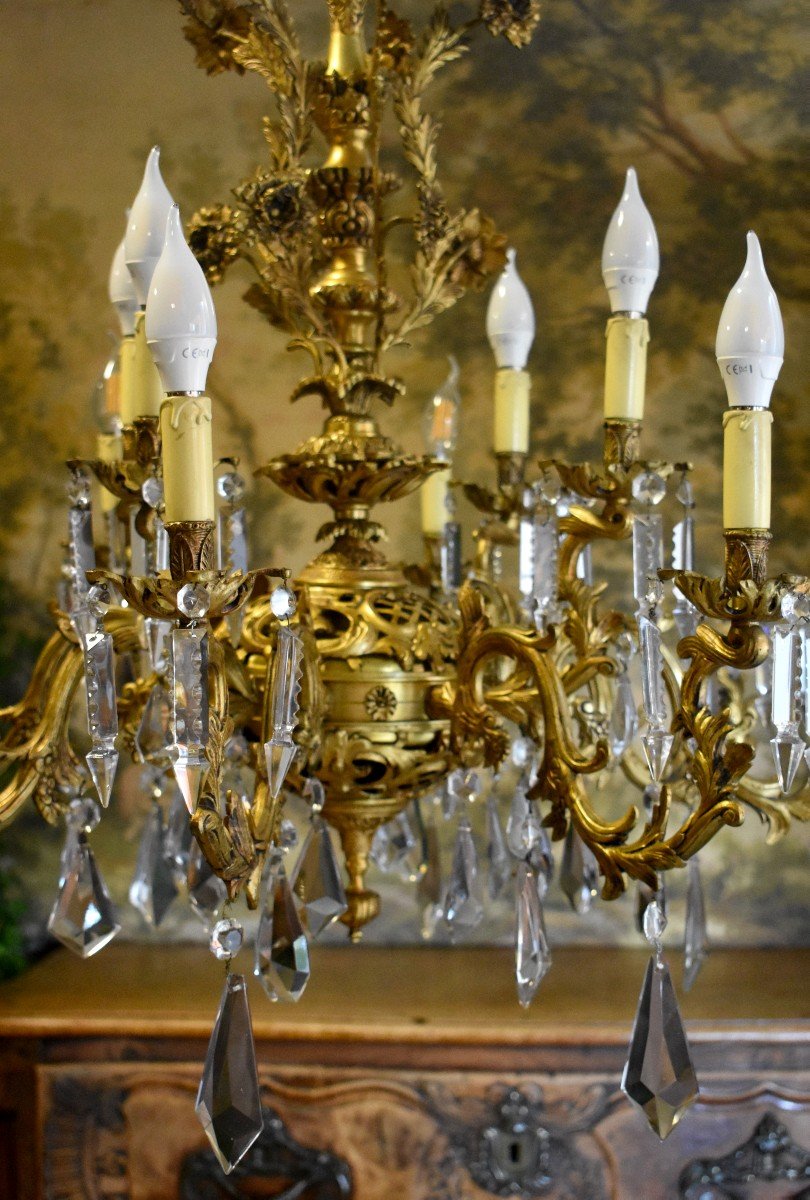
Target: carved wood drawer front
<point>129,1132</point>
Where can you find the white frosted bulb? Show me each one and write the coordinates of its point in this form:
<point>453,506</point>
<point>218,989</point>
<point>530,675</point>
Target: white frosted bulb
<point>122,291</point>
<point>441,416</point>
<point>750,337</point>
<point>146,230</point>
<point>181,324</point>
<point>630,253</point>
<point>510,318</point>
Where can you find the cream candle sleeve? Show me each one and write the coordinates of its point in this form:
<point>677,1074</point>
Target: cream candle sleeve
<point>188,462</point>
<point>141,389</point>
<point>108,448</point>
<point>626,367</point>
<point>434,497</point>
<point>747,468</point>
<point>511,425</point>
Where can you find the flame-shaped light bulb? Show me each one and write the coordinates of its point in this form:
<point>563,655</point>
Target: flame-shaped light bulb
<point>122,291</point>
<point>441,416</point>
<point>510,318</point>
<point>750,337</point>
<point>181,324</point>
<point>146,230</point>
<point>630,253</point>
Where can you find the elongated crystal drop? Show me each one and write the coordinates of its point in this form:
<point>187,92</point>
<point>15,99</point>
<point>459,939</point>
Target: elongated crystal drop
<point>229,1103</point>
<point>102,711</point>
<point>83,917</point>
<point>282,951</point>
<point>624,717</point>
<point>81,549</point>
<point>526,558</point>
<point>523,826</point>
<point>409,859</point>
<point>450,562</point>
<point>647,551</point>
<point>658,1076</point>
<point>206,891</point>
<point>153,887</point>
<point>189,685</point>
<point>178,839</point>
<point>579,873</point>
<point>429,886</point>
<point>154,738</point>
<point>532,955</point>
<point>462,905</point>
<point>546,566</point>
<point>652,680</point>
<point>285,687</point>
<point>786,692</point>
<point>317,879</point>
<point>498,860</point>
<point>584,567</point>
<point>541,861</point>
<point>158,634</point>
<point>233,549</point>
<point>695,945</point>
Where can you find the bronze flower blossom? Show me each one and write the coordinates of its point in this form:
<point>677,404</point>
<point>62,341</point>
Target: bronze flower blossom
<point>516,20</point>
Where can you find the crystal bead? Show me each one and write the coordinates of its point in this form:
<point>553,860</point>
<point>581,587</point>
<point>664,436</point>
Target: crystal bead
<point>83,917</point>
<point>685,493</point>
<point>579,873</point>
<point>85,622</point>
<point>654,922</point>
<point>522,752</point>
<point>523,825</point>
<point>287,835</point>
<point>541,861</point>
<point>498,860</point>
<point>153,886</point>
<point>315,793</point>
<point>788,749</point>
<point>282,603</point>
<point>461,904</point>
<point>193,601</point>
<point>282,951</point>
<point>550,487</point>
<point>695,936</point>
<point>101,597</point>
<point>206,891</point>
<point>226,939</point>
<point>102,762</point>
<point>644,896</point>
<point>649,488</point>
<point>152,491</point>
<point>532,956</point>
<point>316,879</point>
<point>83,814</point>
<point>228,1101</point>
<point>658,1076</point>
<point>796,607</point>
<point>231,487</point>
<point>657,744</point>
<point>380,851</point>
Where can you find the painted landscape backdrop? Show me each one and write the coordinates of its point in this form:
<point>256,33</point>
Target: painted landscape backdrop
<point>705,100</point>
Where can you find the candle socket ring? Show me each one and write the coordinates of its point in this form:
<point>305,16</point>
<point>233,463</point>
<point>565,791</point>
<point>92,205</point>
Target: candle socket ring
<point>622,438</point>
<point>746,556</point>
<point>191,547</point>
<point>511,470</point>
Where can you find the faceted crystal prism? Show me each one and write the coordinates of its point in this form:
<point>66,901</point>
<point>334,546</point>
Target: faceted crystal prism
<point>153,888</point>
<point>229,1101</point>
<point>154,734</point>
<point>233,550</point>
<point>408,852</point>
<point>83,917</point>
<point>190,686</point>
<point>190,766</point>
<point>285,686</point>
<point>579,873</point>
<point>657,744</point>
<point>282,951</point>
<point>647,551</point>
<point>652,662</point>
<point>316,879</point>
<point>786,682</point>
<point>82,816</point>
<point>545,567</point>
<point>532,956</point>
<point>462,905</point>
<point>157,642</point>
<point>450,562</point>
<point>498,860</point>
<point>659,1076</point>
<point>788,749</point>
<point>695,938</point>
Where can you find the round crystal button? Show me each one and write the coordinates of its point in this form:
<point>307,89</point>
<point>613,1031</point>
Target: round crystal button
<point>193,600</point>
<point>226,938</point>
<point>282,602</point>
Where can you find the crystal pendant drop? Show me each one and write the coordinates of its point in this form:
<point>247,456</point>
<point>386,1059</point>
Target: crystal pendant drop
<point>523,827</point>
<point>658,1075</point>
<point>498,860</point>
<point>154,733</point>
<point>102,764</point>
<point>532,956</point>
<point>206,891</point>
<point>189,710</point>
<point>229,1102</point>
<point>316,879</point>
<point>153,887</point>
<point>657,745</point>
<point>83,917</point>
<point>579,873</point>
<point>380,852</point>
<point>462,904</point>
<point>541,861</point>
<point>82,816</point>
<point>178,837</point>
<point>282,951</point>
<point>695,944</point>
<point>788,749</point>
<point>285,686</point>
<point>624,717</point>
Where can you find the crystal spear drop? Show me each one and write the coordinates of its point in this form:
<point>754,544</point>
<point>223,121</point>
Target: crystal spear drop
<point>285,686</point>
<point>786,695</point>
<point>102,712</point>
<point>189,688</point>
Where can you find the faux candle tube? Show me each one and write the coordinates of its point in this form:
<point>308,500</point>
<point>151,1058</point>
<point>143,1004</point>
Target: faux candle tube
<point>188,463</point>
<point>747,468</point>
<point>108,447</point>
<point>626,367</point>
<point>512,411</point>
<point>141,389</point>
<point>434,497</point>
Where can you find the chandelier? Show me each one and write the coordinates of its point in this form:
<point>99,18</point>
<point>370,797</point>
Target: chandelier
<point>365,686</point>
